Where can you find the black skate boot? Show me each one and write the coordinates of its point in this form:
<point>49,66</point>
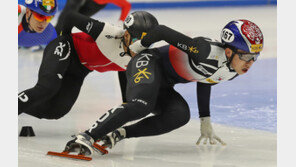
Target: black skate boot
<point>113,138</point>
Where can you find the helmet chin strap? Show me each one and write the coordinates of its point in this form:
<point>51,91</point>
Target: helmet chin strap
<point>29,23</point>
<point>230,60</point>
<point>128,51</point>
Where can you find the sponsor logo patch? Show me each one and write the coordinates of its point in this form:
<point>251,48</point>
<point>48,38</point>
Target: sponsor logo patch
<point>23,97</point>
<point>141,74</point>
<point>182,46</point>
<point>193,49</point>
<point>140,101</point>
<point>89,26</point>
<point>252,32</point>
<point>105,116</point>
<point>203,70</point>
<point>210,80</point>
<point>48,4</point>
<point>143,60</point>
<point>60,49</point>
<point>256,48</point>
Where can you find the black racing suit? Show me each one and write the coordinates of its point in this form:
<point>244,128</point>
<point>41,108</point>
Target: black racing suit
<point>58,85</point>
<point>61,73</point>
<point>151,76</point>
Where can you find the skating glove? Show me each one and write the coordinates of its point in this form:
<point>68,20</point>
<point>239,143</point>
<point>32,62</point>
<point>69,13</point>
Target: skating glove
<point>207,132</point>
<point>119,33</point>
<point>137,47</point>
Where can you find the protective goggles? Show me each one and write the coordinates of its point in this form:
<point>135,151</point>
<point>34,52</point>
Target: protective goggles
<point>41,18</point>
<point>248,56</point>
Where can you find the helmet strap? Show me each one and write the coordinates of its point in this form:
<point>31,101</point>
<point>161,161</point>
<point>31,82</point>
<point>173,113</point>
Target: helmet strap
<point>28,24</point>
<point>230,60</point>
<point>128,51</point>
<point>127,48</point>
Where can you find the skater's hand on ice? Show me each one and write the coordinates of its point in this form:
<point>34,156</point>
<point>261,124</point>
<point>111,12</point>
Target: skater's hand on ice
<point>207,132</point>
<point>137,47</point>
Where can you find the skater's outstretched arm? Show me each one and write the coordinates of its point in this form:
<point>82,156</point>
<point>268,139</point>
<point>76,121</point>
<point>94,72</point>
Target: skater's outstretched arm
<point>162,32</point>
<point>194,47</point>
<point>206,129</point>
<point>86,24</point>
<point>203,93</point>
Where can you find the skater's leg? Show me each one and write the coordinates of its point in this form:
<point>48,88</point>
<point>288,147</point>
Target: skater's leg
<point>174,114</point>
<point>63,101</point>
<point>56,59</point>
<point>141,96</point>
<point>60,104</point>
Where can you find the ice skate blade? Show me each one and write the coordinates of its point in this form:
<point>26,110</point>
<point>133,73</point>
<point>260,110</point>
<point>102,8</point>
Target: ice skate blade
<point>67,155</point>
<point>100,148</point>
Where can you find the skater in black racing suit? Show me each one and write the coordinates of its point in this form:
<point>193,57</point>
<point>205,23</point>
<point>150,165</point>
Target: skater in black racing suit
<point>152,74</point>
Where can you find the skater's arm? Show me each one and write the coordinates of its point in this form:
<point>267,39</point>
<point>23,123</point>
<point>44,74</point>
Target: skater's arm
<point>193,47</point>
<point>203,99</point>
<point>86,24</point>
<point>162,32</point>
<point>206,129</point>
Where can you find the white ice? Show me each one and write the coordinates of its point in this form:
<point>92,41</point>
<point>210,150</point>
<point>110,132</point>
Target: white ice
<point>100,92</point>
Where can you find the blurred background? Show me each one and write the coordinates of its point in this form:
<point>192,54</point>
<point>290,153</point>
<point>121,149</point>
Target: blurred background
<point>181,4</point>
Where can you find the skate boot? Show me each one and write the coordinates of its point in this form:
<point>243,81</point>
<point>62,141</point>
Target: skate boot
<point>81,144</point>
<point>81,147</point>
<point>113,138</point>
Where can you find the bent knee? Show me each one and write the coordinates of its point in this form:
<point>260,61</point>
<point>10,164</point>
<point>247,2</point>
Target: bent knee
<point>48,91</point>
<point>138,109</point>
<point>52,116</point>
<point>185,119</point>
<point>183,114</point>
<point>182,118</point>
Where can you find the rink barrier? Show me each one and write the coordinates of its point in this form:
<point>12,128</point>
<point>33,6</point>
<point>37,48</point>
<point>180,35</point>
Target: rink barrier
<point>183,4</point>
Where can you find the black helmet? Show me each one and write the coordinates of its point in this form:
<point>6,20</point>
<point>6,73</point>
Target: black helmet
<point>139,23</point>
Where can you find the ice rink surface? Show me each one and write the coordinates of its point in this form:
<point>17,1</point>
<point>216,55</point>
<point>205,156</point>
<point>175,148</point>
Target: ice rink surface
<point>243,111</point>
